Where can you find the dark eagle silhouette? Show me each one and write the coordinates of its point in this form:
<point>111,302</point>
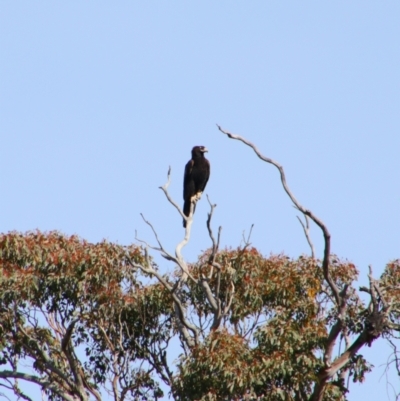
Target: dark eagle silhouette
<point>197,172</point>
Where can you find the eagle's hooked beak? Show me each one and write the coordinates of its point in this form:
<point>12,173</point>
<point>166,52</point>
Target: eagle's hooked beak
<point>204,150</point>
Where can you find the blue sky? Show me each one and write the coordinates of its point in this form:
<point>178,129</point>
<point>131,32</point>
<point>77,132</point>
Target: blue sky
<point>97,99</point>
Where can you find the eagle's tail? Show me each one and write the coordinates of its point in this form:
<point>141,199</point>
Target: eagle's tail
<point>186,210</point>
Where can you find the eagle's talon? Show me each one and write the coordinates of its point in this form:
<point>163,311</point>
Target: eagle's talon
<point>195,198</point>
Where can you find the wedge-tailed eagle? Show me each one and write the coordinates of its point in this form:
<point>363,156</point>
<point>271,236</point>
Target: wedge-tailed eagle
<point>197,172</point>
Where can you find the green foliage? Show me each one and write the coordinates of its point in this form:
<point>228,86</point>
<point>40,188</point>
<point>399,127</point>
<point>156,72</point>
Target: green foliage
<point>81,313</point>
<point>49,282</point>
<point>276,328</point>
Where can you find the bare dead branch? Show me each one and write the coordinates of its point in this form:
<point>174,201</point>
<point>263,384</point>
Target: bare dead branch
<point>164,188</point>
<point>215,244</point>
<point>188,219</point>
<point>178,259</point>
<point>306,212</point>
<point>161,249</point>
<point>246,241</point>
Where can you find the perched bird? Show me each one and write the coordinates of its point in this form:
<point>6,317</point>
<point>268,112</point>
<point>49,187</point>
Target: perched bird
<point>197,172</point>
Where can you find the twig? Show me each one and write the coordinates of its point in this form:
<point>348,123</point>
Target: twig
<point>160,249</point>
<point>164,188</point>
<point>215,243</point>
<point>210,232</point>
<point>247,242</point>
<point>306,229</point>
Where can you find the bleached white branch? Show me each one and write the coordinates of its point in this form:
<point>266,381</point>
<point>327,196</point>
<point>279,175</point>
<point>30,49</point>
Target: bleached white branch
<point>160,249</point>
<point>164,188</point>
<point>178,259</point>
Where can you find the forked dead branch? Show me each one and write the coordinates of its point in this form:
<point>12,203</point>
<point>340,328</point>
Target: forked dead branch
<point>188,330</point>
